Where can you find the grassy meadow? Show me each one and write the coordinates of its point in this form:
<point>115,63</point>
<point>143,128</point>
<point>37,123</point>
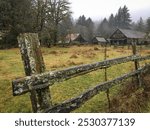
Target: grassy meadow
<point>55,58</point>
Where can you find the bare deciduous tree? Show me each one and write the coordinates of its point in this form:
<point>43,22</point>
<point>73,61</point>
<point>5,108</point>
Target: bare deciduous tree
<point>57,11</point>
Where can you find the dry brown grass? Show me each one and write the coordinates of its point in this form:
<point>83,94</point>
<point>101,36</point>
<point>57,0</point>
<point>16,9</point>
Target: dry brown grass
<point>53,52</point>
<point>132,98</point>
<point>96,48</point>
<point>88,54</point>
<point>74,56</point>
<point>73,63</point>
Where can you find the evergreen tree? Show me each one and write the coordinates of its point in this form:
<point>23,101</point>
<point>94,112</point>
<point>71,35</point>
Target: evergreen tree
<point>118,18</point>
<point>122,18</point>
<point>140,25</point>
<point>126,20</point>
<point>111,21</point>
<point>65,27</point>
<point>148,24</point>
<point>85,27</point>
<point>5,9</point>
<point>15,17</point>
<point>103,28</point>
<point>82,20</point>
<point>90,29</point>
<point>42,16</point>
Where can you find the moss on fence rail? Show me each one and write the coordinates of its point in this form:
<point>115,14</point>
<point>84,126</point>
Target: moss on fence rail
<point>76,102</point>
<point>23,85</point>
<point>59,58</point>
<point>37,84</point>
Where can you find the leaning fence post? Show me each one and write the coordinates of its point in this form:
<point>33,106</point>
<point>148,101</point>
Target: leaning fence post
<point>33,64</point>
<point>136,63</point>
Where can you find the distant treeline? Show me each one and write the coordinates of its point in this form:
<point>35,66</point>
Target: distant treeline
<point>52,20</point>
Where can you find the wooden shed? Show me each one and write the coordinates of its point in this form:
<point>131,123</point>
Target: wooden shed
<point>99,40</point>
<point>125,36</point>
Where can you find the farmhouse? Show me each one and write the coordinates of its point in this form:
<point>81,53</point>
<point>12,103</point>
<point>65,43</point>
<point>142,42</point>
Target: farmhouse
<point>125,36</point>
<point>99,40</point>
<point>74,38</point>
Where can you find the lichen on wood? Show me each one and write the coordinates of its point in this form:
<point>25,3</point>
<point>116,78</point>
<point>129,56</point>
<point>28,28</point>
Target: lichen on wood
<point>33,64</point>
<point>23,85</point>
<point>74,103</point>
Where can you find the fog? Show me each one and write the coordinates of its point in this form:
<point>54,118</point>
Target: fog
<point>99,9</point>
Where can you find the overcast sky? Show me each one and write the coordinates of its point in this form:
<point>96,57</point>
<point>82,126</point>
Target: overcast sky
<point>98,9</point>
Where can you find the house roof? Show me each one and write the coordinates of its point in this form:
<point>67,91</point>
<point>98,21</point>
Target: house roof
<point>100,39</point>
<point>72,37</point>
<point>75,37</point>
<point>132,34</point>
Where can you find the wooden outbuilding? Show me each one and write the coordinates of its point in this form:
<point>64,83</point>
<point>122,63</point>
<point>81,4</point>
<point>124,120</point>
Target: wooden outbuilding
<point>126,36</point>
<point>99,40</point>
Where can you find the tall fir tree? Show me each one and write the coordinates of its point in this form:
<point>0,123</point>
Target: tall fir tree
<point>90,29</point>
<point>85,27</point>
<point>82,20</point>
<point>103,28</point>
<point>122,18</point>
<point>148,24</point>
<point>140,25</point>
<point>126,19</point>
<point>65,27</point>
<point>111,20</point>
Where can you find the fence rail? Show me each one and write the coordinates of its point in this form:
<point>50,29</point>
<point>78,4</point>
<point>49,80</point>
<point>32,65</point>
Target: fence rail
<point>39,81</point>
<point>70,105</point>
<point>36,79</point>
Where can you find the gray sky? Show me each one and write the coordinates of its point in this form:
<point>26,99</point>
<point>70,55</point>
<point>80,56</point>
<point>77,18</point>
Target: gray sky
<point>98,9</point>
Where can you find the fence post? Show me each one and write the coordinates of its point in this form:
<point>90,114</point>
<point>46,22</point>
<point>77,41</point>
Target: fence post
<point>136,63</point>
<point>107,91</point>
<point>33,64</point>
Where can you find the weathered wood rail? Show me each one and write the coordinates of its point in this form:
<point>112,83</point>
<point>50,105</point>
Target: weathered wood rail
<point>76,102</point>
<point>41,81</point>
<point>23,85</point>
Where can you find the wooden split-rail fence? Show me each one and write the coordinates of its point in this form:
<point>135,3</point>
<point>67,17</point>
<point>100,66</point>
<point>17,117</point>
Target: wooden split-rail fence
<point>37,81</point>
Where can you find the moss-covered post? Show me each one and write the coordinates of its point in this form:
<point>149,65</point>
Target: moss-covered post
<point>33,64</point>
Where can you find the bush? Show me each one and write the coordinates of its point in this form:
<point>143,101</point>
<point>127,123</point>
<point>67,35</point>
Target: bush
<point>9,41</point>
